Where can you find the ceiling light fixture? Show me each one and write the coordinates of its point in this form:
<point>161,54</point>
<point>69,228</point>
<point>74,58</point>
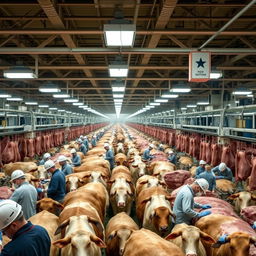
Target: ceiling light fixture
<point>242,91</point>
<point>14,98</point>
<point>19,72</point>
<point>180,88</point>
<point>118,95</point>
<point>170,95</point>
<point>78,104</point>
<point>32,103</point>
<point>118,68</point>
<point>71,100</point>
<point>5,94</point>
<point>215,74</point>
<point>61,95</point>
<point>161,100</point>
<point>43,106</point>
<point>191,106</point>
<point>49,88</point>
<point>154,104</point>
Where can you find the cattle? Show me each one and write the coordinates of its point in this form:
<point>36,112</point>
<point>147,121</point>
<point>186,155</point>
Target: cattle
<point>118,231</point>
<point>98,150</point>
<point>49,205</point>
<point>153,209</point>
<point>93,166</point>
<point>24,166</point>
<point>159,168</point>
<point>137,168</point>
<point>224,186</point>
<point>193,171</point>
<point>42,173</point>
<point>185,162</point>
<point>147,181</point>
<point>80,238</point>
<point>145,242</point>
<point>120,148</point>
<point>239,235</point>
<point>242,200</point>
<point>50,222</point>
<point>121,159</point>
<point>189,239</point>
<point>30,178</point>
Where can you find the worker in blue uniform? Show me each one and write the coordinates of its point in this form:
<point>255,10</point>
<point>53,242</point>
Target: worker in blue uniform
<point>82,147</point>
<point>46,157</point>
<point>65,167</point>
<point>86,142</point>
<point>57,186</point>
<point>184,203</point>
<point>76,159</point>
<point>210,177</point>
<point>161,147</point>
<point>26,239</point>
<point>221,171</point>
<point>200,169</point>
<point>172,157</point>
<point>109,156</point>
<point>146,154</point>
<point>94,140</point>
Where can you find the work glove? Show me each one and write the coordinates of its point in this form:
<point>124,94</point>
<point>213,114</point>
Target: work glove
<point>206,206</point>
<point>202,214</point>
<point>254,225</point>
<point>219,177</point>
<point>222,239</point>
<point>39,190</point>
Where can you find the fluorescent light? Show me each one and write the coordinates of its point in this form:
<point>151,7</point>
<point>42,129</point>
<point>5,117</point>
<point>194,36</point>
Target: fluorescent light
<point>242,91</point>
<point>161,100</point>
<point>250,95</point>
<point>170,95</point>
<point>61,95</point>
<point>118,95</point>
<point>118,70</point>
<point>49,88</point>
<point>61,110</point>
<point>118,100</point>
<point>237,101</point>
<point>154,104</point>
<point>215,74</point>
<point>52,108</point>
<point>191,106</point>
<point>119,34</point>
<point>118,89</point>
<point>32,103</point>
<point>5,95</point>
<point>19,72</point>
<point>71,100</point>
<point>180,88</point>
<point>43,106</point>
<point>78,104</point>
<point>14,99</point>
<point>183,108</point>
<point>202,103</point>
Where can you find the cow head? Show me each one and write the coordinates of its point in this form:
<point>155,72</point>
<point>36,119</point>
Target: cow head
<point>98,177</point>
<point>140,168</point>
<point>242,199</point>
<point>237,244</point>
<point>122,235</point>
<point>190,238</point>
<point>49,205</point>
<point>73,182</point>
<point>42,173</point>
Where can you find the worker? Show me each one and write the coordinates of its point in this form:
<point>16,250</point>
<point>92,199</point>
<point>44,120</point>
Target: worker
<point>86,143</point>
<point>57,186</point>
<point>200,169</point>
<point>94,140</point>
<point>210,177</point>
<point>27,239</point>
<point>65,167</point>
<point>221,171</point>
<point>46,157</point>
<point>146,154</point>
<point>76,159</point>
<point>161,147</point>
<point>184,203</point>
<point>82,147</point>
<point>25,194</point>
<point>109,155</point>
<point>172,157</point>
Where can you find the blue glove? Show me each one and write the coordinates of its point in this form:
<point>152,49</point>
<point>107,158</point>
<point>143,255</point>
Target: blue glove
<point>254,225</point>
<point>222,239</point>
<point>219,177</point>
<point>39,190</point>
<point>206,206</point>
<point>202,214</point>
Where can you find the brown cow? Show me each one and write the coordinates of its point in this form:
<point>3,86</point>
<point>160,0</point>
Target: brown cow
<point>159,168</point>
<point>118,231</point>
<point>24,166</point>
<point>121,159</point>
<point>49,205</point>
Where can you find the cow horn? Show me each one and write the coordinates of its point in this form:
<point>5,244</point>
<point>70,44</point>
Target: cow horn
<point>60,227</point>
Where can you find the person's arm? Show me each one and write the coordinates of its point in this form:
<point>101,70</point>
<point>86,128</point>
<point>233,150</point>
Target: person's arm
<point>69,170</point>
<point>214,184</point>
<point>229,174</point>
<point>76,160</point>
<point>53,188</point>
<point>197,173</point>
<point>186,207</point>
<point>15,196</point>
<point>145,155</point>
<point>109,155</point>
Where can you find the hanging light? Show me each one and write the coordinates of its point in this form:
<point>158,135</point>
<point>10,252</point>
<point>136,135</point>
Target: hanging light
<point>43,106</point>
<point>118,68</point>
<point>180,88</point>
<point>31,103</point>
<point>61,95</point>
<point>14,98</point>
<point>5,94</point>
<point>78,104</point>
<point>154,104</point>
<point>118,86</point>
<point>215,74</point>
<point>170,95</point>
<point>71,100</point>
<point>161,100</point>
<point>19,72</point>
<point>191,106</point>
<point>118,95</point>
<point>49,87</point>
<point>242,91</point>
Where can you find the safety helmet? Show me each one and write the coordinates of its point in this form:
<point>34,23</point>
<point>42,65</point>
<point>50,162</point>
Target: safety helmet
<point>151,146</point>
<point>160,145</point>
<point>202,162</point>
<point>222,166</point>
<point>79,141</point>
<point>48,164</point>
<point>94,136</point>
<point>62,158</point>
<point>9,211</point>
<point>47,155</point>
<point>106,145</point>
<point>17,174</point>
<point>72,151</point>
<point>203,184</point>
<point>81,137</point>
<point>170,152</point>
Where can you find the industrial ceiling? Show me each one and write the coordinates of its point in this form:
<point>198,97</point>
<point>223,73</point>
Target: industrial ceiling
<point>64,40</point>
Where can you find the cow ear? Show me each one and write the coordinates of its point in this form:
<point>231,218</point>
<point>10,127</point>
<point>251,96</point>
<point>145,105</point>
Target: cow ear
<point>173,235</point>
<point>96,223</point>
<point>34,179</point>
<point>169,198</point>
<point>234,196</point>
<point>81,180</point>
<point>146,200</point>
<point>217,245</point>
<point>111,236</point>
<point>206,238</point>
<point>98,241</point>
<point>143,182</point>
<point>153,213</point>
<point>253,197</point>
<point>62,242</point>
<point>253,240</point>
<point>58,205</point>
<point>63,225</point>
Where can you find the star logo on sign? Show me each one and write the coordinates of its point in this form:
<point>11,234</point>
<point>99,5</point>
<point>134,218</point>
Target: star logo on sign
<point>200,63</point>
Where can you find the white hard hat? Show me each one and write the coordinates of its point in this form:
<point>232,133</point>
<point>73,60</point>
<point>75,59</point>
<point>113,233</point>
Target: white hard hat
<point>17,174</point>
<point>202,162</point>
<point>170,152</point>
<point>79,141</point>
<point>106,145</point>
<point>160,145</point>
<point>72,151</point>
<point>9,211</point>
<point>48,164</point>
<point>81,136</point>
<point>151,145</point>
<point>85,137</point>
<point>46,155</point>
<point>62,158</point>
<point>203,184</point>
<point>94,136</point>
<point>222,166</point>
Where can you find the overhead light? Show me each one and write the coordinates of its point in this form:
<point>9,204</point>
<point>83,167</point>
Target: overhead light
<point>117,95</point>
<point>203,102</point>
<point>215,74</point>
<point>5,95</point>
<point>191,106</point>
<point>242,91</point>
<point>118,70</point>
<point>14,98</point>
<point>61,95</point>
<point>118,100</point>
<point>154,104</point>
<point>71,100</point>
<point>43,106</point>
<point>7,105</point>
<point>237,101</point>
<point>170,95</point>
<point>180,88</point>
<point>78,104</point>
<point>19,72</point>
<point>161,100</point>
<point>61,110</point>
<point>53,108</point>
<point>183,108</point>
<point>49,88</point>
<point>250,95</point>
<point>32,103</point>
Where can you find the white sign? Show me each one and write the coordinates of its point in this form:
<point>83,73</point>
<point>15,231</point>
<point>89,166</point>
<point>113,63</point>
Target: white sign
<point>199,66</point>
